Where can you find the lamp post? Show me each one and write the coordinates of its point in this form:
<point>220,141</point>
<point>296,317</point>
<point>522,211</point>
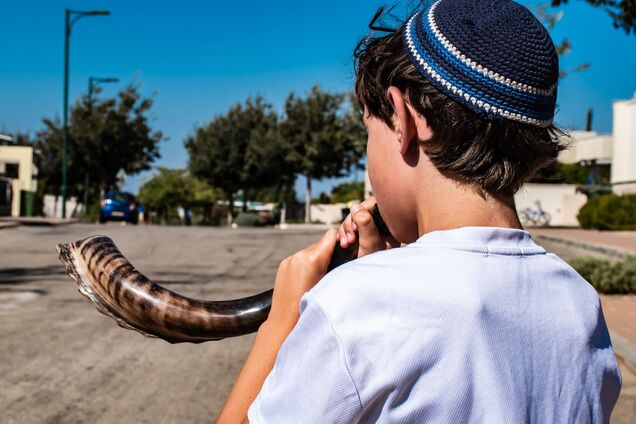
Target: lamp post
<point>93,81</point>
<point>71,16</point>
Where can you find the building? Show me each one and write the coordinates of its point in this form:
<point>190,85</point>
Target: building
<point>18,180</point>
<point>623,174</point>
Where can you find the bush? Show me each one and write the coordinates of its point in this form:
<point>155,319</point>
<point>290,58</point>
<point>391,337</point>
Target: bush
<point>608,277</point>
<point>609,212</point>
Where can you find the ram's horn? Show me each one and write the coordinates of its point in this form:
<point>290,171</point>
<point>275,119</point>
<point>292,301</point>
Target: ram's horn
<point>117,289</point>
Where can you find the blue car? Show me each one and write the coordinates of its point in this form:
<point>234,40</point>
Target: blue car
<point>118,206</point>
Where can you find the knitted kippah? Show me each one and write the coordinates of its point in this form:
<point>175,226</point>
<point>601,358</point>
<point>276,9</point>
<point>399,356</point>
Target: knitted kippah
<point>492,56</point>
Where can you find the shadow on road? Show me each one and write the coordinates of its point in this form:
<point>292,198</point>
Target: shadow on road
<point>29,275</point>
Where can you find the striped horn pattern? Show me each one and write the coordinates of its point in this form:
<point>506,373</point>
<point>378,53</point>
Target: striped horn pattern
<point>117,289</point>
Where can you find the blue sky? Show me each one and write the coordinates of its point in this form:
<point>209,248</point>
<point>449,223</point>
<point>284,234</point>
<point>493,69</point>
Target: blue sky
<point>199,57</point>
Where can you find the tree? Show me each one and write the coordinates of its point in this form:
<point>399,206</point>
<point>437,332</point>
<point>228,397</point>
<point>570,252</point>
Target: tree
<point>172,188</point>
<point>238,150</point>
<point>346,192</point>
<point>319,139</point>
<point>622,12</point>
<point>265,164</point>
<point>105,136</point>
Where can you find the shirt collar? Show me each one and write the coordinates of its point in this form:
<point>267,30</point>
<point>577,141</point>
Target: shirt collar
<point>495,240</point>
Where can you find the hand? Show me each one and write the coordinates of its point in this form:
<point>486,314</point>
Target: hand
<point>359,225</point>
<point>296,275</point>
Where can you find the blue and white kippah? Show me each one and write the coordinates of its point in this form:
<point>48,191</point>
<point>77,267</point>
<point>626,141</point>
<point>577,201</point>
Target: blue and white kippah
<point>492,56</point>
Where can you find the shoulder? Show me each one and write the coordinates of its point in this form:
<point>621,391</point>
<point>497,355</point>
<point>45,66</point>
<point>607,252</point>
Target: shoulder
<point>570,281</point>
<point>376,283</point>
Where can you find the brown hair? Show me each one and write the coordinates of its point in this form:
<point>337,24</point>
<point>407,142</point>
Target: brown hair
<point>495,156</point>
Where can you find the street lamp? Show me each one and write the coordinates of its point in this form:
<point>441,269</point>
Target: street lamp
<point>71,16</point>
<point>92,82</point>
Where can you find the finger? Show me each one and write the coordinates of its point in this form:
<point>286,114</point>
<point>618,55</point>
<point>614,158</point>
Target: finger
<point>368,203</point>
<point>347,234</point>
<point>369,238</point>
<point>326,246</point>
<point>349,231</point>
<point>342,235</point>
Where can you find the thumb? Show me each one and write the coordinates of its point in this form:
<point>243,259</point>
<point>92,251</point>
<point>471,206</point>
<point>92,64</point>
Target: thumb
<point>369,238</point>
<point>326,246</point>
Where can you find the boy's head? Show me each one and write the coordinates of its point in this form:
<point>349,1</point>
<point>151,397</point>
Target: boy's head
<point>479,79</point>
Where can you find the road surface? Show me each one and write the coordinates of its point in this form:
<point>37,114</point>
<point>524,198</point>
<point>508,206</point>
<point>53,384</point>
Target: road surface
<point>63,362</point>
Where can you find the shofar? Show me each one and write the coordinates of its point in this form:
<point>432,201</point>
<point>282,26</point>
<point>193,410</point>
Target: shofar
<point>120,291</point>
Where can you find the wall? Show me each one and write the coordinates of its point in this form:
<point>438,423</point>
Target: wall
<point>561,201</point>
<point>624,160</point>
<point>52,206</point>
<point>328,214</point>
<point>587,146</point>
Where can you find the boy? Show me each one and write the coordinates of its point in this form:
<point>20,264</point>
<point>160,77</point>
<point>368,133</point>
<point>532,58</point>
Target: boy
<point>471,321</point>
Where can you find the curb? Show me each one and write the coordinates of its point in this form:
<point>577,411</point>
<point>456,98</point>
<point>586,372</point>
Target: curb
<point>599,248</point>
<point>4,225</point>
<point>37,221</point>
<point>623,348</point>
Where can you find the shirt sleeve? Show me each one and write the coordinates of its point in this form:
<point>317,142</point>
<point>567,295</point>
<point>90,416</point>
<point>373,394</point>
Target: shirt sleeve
<point>310,381</point>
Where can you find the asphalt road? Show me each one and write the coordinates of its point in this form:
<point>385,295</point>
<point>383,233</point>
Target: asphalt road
<point>63,362</point>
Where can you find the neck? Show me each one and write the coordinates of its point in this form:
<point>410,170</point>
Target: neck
<point>452,205</point>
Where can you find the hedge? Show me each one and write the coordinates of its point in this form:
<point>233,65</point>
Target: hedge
<point>608,277</point>
<point>609,212</point>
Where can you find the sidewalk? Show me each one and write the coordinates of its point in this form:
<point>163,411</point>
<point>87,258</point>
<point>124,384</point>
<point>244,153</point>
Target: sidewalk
<point>619,243</point>
<point>35,220</point>
<point>620,315</point>
<point>619,310</point>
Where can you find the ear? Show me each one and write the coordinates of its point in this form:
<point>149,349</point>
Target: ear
<point>404,123</point>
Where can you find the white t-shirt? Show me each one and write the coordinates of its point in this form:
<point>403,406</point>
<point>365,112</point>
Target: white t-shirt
<point>470,325</point>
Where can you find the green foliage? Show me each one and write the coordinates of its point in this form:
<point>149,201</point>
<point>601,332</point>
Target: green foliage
<point>105,136</point>
<point>608,277</point>
<point>572,173</point>
<point>172,188</point>
<point>609,212</point>
<point>345,192</point>
<point>247,150</point>
<point>239,150</point>
<point>320,139</point>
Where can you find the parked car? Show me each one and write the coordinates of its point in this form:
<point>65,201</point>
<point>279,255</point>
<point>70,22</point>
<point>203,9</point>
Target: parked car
<point>119,206</point>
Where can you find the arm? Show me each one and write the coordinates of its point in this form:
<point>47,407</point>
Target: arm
<point>296,275</point>
<point>256,368</point>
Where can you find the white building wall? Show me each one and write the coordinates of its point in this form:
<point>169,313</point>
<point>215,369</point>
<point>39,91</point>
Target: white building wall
<point>328,214</point>
<point>52,206</point>
<point>587,146</point>
<point>561,201</point>
<point>623,174</point>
